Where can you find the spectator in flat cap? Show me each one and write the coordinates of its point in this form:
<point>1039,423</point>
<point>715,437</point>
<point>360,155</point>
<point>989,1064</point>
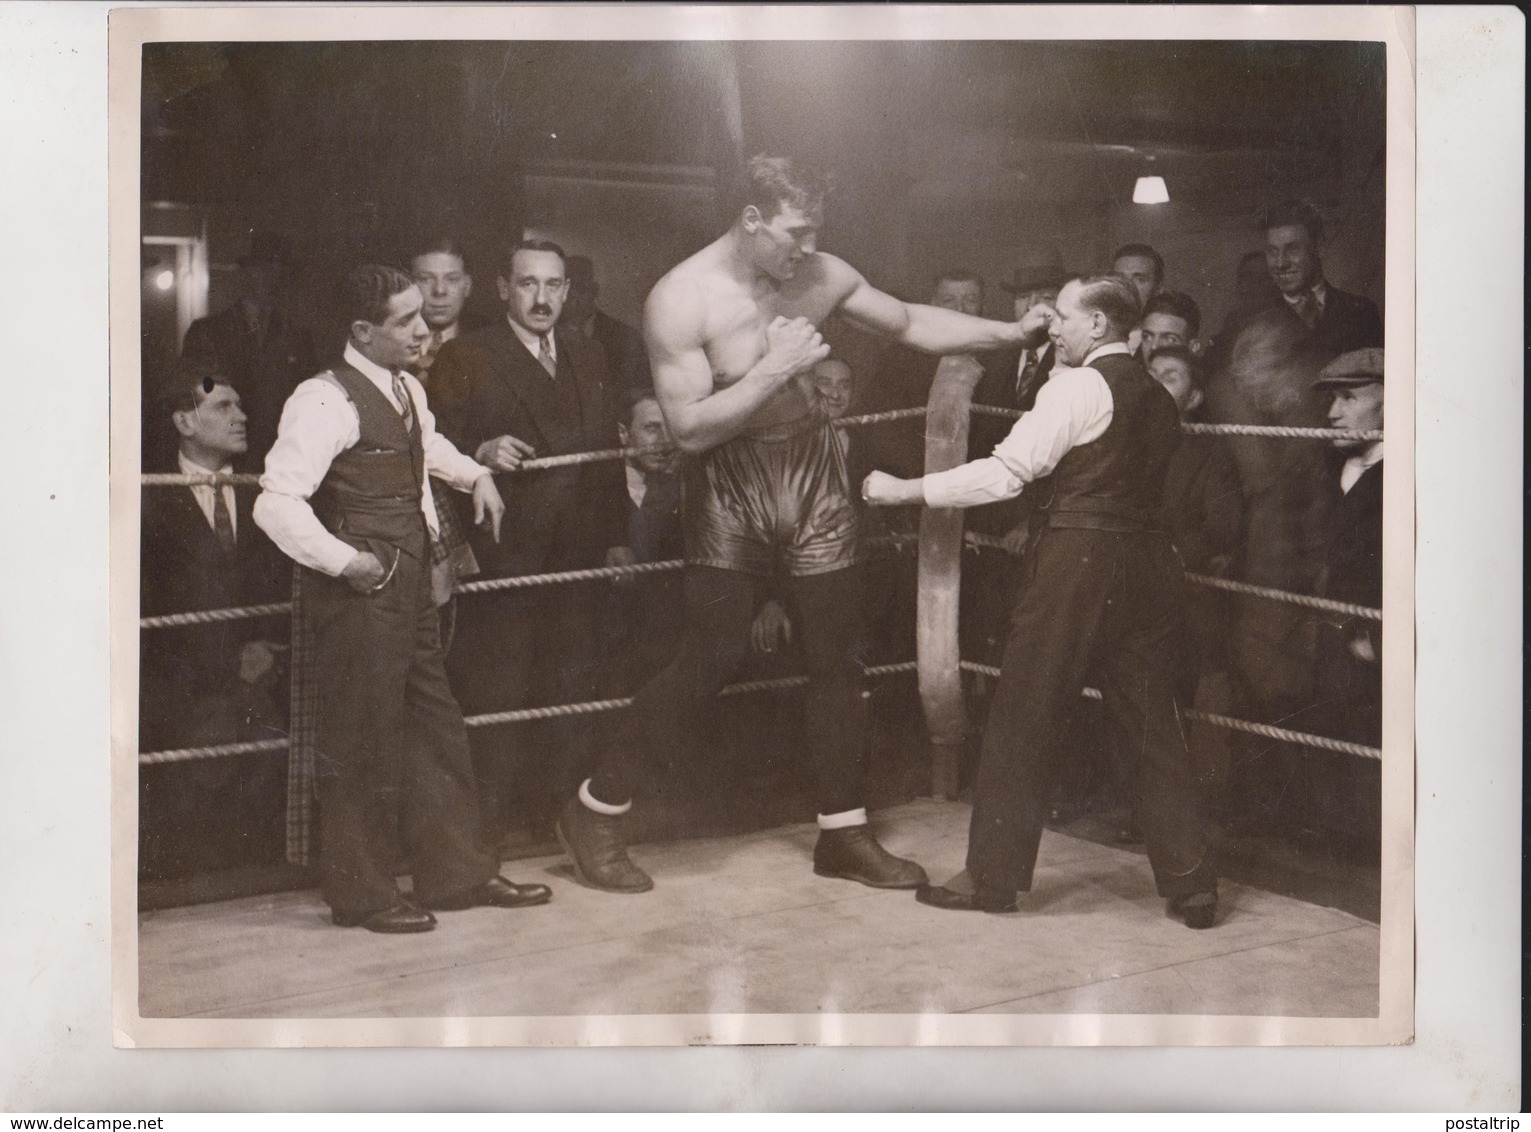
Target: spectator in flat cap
<point>1345,793</point>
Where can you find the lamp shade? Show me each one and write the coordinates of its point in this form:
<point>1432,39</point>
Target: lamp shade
<point>1150,190</point>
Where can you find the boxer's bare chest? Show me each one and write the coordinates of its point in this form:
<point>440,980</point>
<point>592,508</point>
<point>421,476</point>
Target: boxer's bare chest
<point>737,317</point>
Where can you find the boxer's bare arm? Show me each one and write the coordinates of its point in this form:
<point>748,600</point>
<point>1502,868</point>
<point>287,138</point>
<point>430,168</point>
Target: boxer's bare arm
<point>699,415</point>
<point>935,330</point>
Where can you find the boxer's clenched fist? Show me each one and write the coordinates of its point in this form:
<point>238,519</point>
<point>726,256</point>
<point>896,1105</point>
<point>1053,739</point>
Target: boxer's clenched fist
<point>793,346</point>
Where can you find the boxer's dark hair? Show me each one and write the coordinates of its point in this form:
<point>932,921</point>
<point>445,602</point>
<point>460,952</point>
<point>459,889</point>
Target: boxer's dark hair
<point>1114,296</point>
<point>1182,354</point>
<point>1176,304</point>
<point>366,291</point>
<point>507,261</point>
<point>1147,253</point>
<point>770,182</point>
<point>1298,213</point>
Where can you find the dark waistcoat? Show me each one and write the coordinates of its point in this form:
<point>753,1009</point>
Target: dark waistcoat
<point>372,491</point>
<point>1116,482</point>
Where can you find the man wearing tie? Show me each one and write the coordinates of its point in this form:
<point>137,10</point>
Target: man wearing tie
<point>644,616</point>
<point>346,495</point>
<point>212,683</point>
<point>507,392</point>
<point>440,270</point>
<point>1011,380</point>
<point>1339,321</point>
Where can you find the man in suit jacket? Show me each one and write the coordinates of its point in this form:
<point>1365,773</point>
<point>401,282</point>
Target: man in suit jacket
<point>508,392</point>
<point>255,342</point>
<point>1346,793</point>
<point>212,683</point>
<point>645,616</point>
<point>627,361</point>
<point>1011,379</point>
<point>1339,321</point>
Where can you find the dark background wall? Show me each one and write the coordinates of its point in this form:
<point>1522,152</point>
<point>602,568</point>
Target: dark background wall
<point>944,153</point>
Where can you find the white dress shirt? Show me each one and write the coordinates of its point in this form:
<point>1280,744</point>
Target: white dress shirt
<point>533,342</point>
<point>318,424</point>
<point>1073,408</point>
<point>1320,293</point>
<point>637,485</point>
<point>203,493</point>
<point>1356,466</point>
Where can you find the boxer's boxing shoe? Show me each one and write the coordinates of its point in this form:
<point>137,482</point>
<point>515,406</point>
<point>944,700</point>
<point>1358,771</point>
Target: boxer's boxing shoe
<point>599,851</point>
<point>853,853</point>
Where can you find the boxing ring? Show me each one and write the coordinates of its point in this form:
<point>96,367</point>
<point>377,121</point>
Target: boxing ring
<point>780,940</point>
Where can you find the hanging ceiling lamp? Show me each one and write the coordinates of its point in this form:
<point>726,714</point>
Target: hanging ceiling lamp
<point>1150,188</point>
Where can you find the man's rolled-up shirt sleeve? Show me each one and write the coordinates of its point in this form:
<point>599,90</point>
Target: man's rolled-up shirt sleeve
<point>1073,408</point>
<point>318,424</point>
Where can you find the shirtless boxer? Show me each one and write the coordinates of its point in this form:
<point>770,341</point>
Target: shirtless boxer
<point>732,341</point>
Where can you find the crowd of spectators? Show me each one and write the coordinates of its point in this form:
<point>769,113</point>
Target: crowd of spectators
<point>556,374</point>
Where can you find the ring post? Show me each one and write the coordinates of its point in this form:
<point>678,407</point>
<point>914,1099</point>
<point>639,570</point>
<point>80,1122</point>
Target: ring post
<point>940,576</point>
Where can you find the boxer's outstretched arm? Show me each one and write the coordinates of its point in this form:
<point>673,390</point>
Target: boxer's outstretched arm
<point>935,330</point>
<point>698,415</point>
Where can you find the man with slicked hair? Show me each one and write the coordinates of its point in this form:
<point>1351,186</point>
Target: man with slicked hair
<point>1101,595</point>
<point>346,495</point>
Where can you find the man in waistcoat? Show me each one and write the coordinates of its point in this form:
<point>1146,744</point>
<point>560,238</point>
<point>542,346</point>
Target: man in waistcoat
<point>1101,595</point>
<point>345,494</point>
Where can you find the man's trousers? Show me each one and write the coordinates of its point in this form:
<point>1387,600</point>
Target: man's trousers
<point>392,765</point>
<point>1106,603</point>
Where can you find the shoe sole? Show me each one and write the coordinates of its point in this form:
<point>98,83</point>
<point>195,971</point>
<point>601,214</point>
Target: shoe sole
<point>835,874</point>
<point>579,873</point>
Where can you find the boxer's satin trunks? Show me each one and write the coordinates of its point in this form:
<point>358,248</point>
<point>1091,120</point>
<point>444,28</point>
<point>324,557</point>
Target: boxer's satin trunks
<point>774,501</point>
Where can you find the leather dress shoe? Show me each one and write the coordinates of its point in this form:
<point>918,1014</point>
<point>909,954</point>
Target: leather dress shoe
<point>853,853</point>
<point>496,892</point>
<point>399,919</point>
<point>1198,910</point>
<point>952,900</point>
<point>595,844</point>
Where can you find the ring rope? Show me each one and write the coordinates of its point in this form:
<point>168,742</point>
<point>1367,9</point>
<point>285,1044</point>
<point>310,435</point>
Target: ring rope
<point>522,581</point>
<point>1323,604</point>
<point>1262,729</point>
<point>540,463</point>
<point>522,715</point>
<point>1283,432</point>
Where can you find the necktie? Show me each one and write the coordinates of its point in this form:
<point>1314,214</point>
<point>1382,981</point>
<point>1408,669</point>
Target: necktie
<point>223,522</point>
<point>545,356</point>
<point>1307,308</point>
<point>401,395</point>
<point>1025,384</point>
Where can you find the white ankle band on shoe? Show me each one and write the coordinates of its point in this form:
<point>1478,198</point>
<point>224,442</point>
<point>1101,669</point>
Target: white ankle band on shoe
<point>592,803</point>
<point>843,820</point>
